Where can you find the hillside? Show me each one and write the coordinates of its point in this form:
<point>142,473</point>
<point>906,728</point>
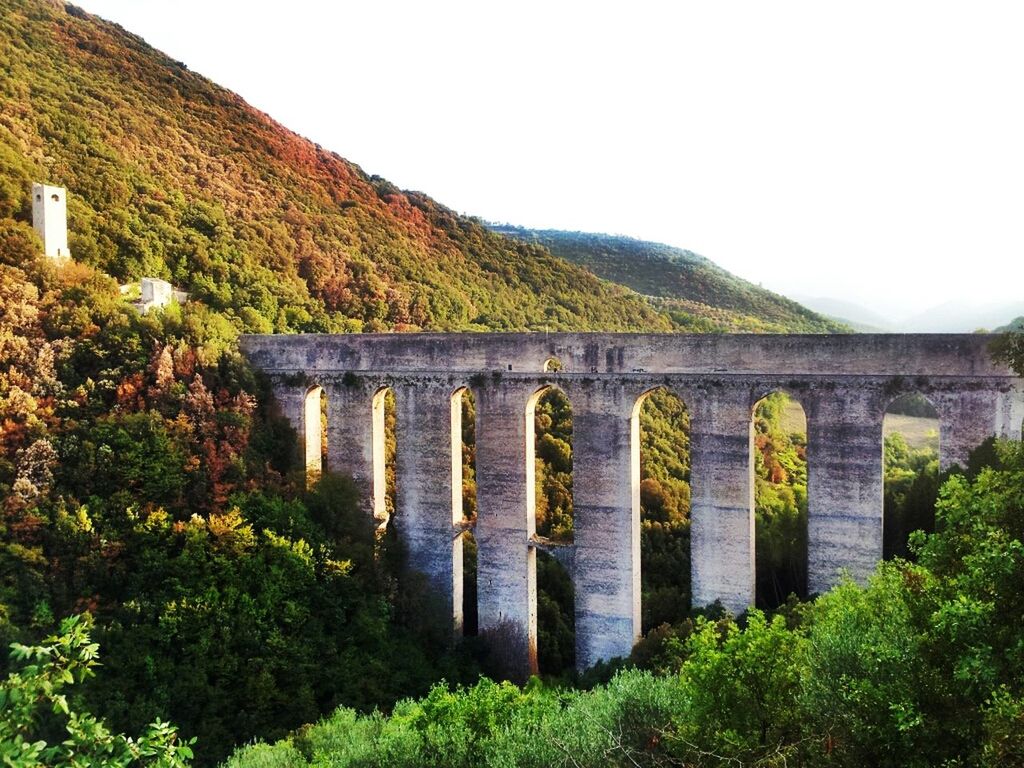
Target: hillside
<point>170,175</point>
<point>146,476</point>
<point>696,293</point>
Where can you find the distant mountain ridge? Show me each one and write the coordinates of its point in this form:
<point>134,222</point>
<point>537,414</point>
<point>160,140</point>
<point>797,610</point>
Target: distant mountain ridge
<point>698,294</point>
<point>857,317</point>
<point>948,317</point>
<point>962,317</point>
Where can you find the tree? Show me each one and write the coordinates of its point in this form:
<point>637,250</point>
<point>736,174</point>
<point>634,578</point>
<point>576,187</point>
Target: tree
<point>1009,349</point>
<point>33,706</point>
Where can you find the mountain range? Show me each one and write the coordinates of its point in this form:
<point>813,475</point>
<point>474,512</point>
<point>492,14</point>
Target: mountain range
<point>172,176</point>
<point>947,317</point>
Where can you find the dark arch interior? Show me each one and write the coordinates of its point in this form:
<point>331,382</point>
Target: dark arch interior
<point>467,407</point>
<point>556,619</point>
<point>553,507</point>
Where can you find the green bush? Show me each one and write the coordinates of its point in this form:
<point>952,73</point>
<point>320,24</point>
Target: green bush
<point>34,707</point>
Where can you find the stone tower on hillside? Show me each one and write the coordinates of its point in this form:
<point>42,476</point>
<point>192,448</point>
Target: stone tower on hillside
<point>50,219</point>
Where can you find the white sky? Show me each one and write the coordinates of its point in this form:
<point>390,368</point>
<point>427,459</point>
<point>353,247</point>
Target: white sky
<point>868,151</point>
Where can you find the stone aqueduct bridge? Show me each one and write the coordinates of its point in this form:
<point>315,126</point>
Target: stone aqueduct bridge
<point>843,382</point>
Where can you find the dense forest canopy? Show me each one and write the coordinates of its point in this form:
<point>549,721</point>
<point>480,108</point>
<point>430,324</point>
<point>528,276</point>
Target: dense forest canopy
<point>922,667</point>
<point>171,176</point>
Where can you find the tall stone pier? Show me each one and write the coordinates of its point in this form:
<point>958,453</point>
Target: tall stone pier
<point>843,382</point>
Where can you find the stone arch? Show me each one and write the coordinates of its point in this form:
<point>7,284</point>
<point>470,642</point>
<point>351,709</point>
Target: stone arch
<point>552,365</point>
<point>562,401</point>
<point>778,454</point>
<point>555,603</point>
<point>314,441</point>
<point>912,437</point>
<point>384,450</point>
<point>662,512</point>
<point>463,489</point>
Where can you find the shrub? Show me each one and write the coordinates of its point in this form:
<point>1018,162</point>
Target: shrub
<point>34,707</point>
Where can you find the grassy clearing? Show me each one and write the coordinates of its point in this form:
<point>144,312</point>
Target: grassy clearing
<point>919,431</point>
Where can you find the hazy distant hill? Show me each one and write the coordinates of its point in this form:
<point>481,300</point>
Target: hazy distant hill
<point>697,293</point>
<point>960,317</point>
<point>857,317</point>
<point>949,317</point>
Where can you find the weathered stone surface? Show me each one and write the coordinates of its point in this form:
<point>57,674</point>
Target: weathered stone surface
<point>722,498</point>
<point>355,438</point>
<point>290,399</point>
<point>844,383</point>
<point>606,520</point>
<point>844,483</point>
<point>895,356</point>
<point>428,502</point>
<point>506,563</point>
<point>50,219</point>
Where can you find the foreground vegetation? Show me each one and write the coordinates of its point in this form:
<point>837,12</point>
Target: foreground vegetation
<point>143,479</point>
<point>924,666</point>
<point>34,708</point>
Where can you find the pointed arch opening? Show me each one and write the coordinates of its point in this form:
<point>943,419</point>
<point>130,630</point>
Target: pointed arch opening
<point>385,449</point>
<point>779,446</point>
<point>463,417</point>
<point>910,434</point>
<point>314,420</point>
<point>550,521</point>
<point>660,470</point>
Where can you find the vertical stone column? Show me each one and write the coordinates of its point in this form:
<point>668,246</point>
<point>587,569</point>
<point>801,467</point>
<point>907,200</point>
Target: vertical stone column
<point>506,564</point>
<point>427,485</point>
<point>967,418</point>
<point>291,399</point>
<point>606,521</point>
<point>1015,410</point>
<point>350,444</point>
<point>722,498</point>
<point>844,485</point>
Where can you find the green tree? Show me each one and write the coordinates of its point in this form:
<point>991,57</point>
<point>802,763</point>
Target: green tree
<point>741,689</point>
<point>34,708</point>
<point>1009,348</point>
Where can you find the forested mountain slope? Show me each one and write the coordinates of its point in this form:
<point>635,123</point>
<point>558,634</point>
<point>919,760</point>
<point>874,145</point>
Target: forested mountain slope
<point>698,294</point>
<point>145,476</point>
<point>170,175</point>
